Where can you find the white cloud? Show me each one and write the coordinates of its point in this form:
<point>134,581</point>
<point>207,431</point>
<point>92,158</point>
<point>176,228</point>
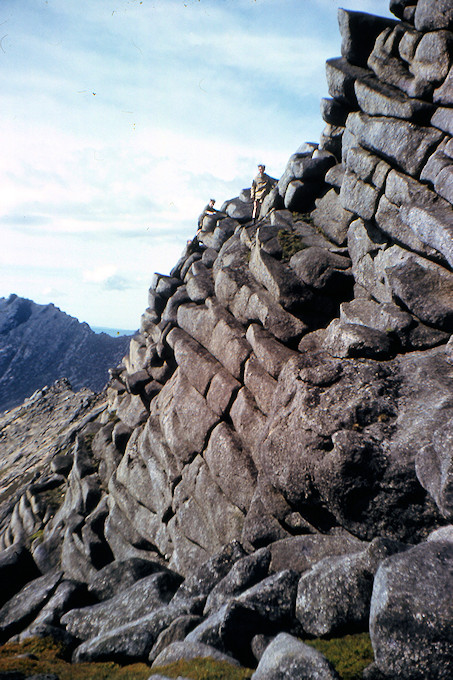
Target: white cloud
<point>100,190</point>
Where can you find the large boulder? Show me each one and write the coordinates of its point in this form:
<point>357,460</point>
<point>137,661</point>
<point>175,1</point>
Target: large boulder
<point>24,606</point>
<point>333,597</point>
<point>150,592</point>
<point>16,569</point>
<point>351,458</point>
<point>288,657</point>
<point>412,613</point>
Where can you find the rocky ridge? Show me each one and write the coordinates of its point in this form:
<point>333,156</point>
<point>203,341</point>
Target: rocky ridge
<point>40,344</point>
<point>274,458</point>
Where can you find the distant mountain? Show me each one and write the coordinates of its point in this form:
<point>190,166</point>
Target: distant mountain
<point>40,344</point>
<point>114,332</point>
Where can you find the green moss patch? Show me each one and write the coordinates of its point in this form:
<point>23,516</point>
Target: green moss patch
<point>204,669</point>
<point>349,655</point>
<point>290,243</point>
<point>44,655</point>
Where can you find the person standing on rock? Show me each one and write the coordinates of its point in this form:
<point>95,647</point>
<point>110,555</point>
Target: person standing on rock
<point>261,186</point>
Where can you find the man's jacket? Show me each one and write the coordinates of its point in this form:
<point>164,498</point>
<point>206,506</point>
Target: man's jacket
<point>261,186</point>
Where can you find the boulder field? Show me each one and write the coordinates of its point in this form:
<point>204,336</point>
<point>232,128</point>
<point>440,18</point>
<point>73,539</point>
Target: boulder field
<point>273,459</point>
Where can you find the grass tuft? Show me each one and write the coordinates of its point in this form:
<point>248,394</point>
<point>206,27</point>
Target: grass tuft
<point>44,655</point>
<point>349,655</point>
<point>290,244</point>
<point>204,669</point>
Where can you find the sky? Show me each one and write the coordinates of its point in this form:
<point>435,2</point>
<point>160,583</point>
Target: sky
<point>121,118</point>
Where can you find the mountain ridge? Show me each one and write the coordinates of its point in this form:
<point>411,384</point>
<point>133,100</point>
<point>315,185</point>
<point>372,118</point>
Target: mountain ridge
<point>40,344</point>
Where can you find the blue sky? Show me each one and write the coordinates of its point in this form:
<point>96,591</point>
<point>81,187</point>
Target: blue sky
<point>120,118</point>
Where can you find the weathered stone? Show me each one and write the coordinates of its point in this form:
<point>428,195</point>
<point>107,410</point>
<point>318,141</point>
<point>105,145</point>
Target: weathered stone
<point>323,270</point>
<point>301,452</point>
<point>334,112</point>
<point>221,233</point>
<point>184,417</point>
<point>427,215</point>
<point>206,576</point>
<point>119,575</point>
<point>354,340</point>
<point>444,183</point>
<point>186,650</point>
<point>386,63</point>
<point>131,410</point>
<point>406,144</point>
<point>200,286</point>
<point>286,656</point>
<point>300,553</point>
<point>364,241</point>
<point>269,352</point>
<point>411,613</point>
<point>209,257</point>
<point>136,381</point>
<point>122,537</point>
<point>425,288</point>
<point>176,631</point>
<point>240,210</point>
<point>149,593</point>
<point>67,595</point>
<point>277,278</point>
<point>247,419</point>
<point>133,641</point>
<point>16,569</point>
<point>197,364</point>
<point>274,598</point>
<point>218,331</point>
<point>204,518</point>
<point>358,34</point>
<point>331,140</point>
<point>335,175</point>
<point>443,119</point>
<point>429,17</point>
<point>171,308</point>
<point>221,392</point>
<point>263,523</point>
<point>433,57</point>
<point>223,453</point>
<point>300,196</point>
<point>434,466</point>
<point>437,162</point>
<point>358,197</point>
<point>245,572</point>
<point>333,598</point>
<point>389,220</point>
<point>385,317</point>
<point>23,607</point>
<point>341,77</point>
<point>367,166</point>
<point>331,217</point>
<point>188,263</point>
<point>444,534</point>
<point>444,94</point>
<point>312,169</point>
<point>230,630</point>
<point>379,99</point>
<point>164,285</point>
<point>260,383</point>
<point>397,7</point>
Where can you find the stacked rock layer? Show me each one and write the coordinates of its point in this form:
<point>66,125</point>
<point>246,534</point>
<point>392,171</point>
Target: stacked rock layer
<point>291,391</point>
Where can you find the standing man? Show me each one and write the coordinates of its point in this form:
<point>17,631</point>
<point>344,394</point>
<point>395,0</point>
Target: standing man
<point>261,186</point>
